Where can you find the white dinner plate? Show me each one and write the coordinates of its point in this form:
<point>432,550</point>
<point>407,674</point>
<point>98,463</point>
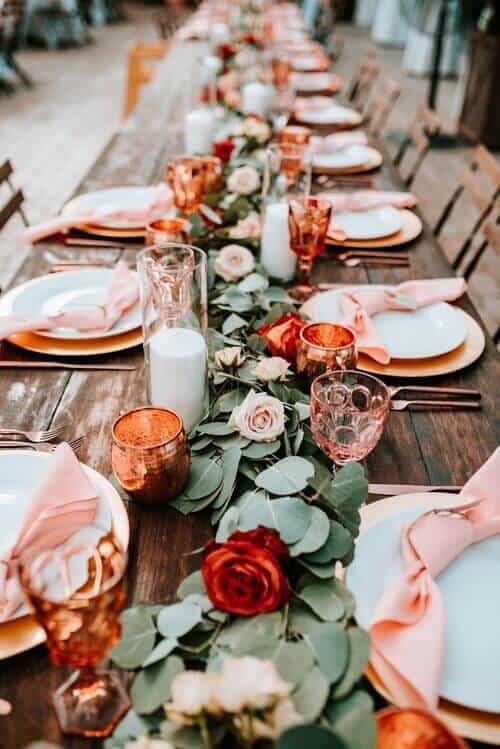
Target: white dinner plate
<point>56,292</point>
<point>373,224</point>
<point>21,471</point>
<point>471,594</point>
<point>343,158</point>
<point>114,200</point>
<point>307,63</point>
<point>415,334</point>
<point>332,115</point>
<point>312,82</point>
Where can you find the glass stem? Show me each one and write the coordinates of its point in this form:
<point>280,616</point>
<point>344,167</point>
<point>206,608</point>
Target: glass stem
<point>305,267</point>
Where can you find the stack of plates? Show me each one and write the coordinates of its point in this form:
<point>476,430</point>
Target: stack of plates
<point>470,683</point>
<point>383,227</point>
<point>430,341</point>
<point>48,295</point>
<point>20,473</point>
<point>352,159</point>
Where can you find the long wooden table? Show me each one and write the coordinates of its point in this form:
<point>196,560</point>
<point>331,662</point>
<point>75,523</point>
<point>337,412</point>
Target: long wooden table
<point>417,448</point>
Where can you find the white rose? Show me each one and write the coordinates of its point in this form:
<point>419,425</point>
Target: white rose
<point>282,716</point>
<point>244,180</point>
<point>246,227</point>
<point>258,129</point>
<point>145,742</point>
<point>230,356</point>
<point>260,417</point>
<point>272,368</point>
<point>234,262</point>
<point>249,683</point>
<point>192,694</point>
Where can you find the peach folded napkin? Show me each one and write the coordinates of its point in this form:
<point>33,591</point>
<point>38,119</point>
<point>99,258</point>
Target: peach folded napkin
<point>338,141</point>
<point>313,103</point>
<point>409,624</point>
<point>161,202</point>
<point>121,295</point>
<point>64,502</point>
<point>366,200</point>
<point>360,305</point>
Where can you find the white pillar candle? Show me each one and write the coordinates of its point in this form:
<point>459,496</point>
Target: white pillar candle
<point>210,66</point>
<point>275,253</point>
<point>257,98</point>
<point>178,373</point>
<point>199,127</point>
<point>220,33</point>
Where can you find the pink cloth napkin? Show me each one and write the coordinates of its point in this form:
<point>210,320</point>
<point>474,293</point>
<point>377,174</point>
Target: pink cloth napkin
<point>338,141</point>
<point>365,200</point>
<point>64,502</point>
<point>360,305</point>
<point>121,295</point>
<point>161,202</point>
<point>313,103</point>
<point>409,625</point>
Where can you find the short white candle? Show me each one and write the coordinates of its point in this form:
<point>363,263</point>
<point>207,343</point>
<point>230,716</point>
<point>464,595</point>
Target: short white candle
<point>257,98</point>
<point>199,128</point>
<point>275,254</point>
<point>178,373</point>
<point>210,66</point>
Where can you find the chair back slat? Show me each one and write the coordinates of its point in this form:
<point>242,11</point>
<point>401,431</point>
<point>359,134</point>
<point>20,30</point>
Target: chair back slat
<point>364,79</point>
<point>381,103</point>
<point>491,231</point>
<point>12,206</point>
<point>5,171</point>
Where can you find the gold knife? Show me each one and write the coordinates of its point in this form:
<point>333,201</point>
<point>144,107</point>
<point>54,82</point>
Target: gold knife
<point>394,489</point>
<point>14,364</point>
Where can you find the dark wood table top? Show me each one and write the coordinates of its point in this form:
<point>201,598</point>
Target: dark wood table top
<point>417,448</point>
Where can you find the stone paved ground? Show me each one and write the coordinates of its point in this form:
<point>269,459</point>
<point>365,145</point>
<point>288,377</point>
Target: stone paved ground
<point>55,131</point>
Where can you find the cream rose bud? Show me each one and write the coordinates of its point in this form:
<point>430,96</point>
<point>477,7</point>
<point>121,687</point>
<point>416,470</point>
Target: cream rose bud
<point>230,356</point>
<point>249,683</point>
<point>192,694</point>
<point>258,129</point>
<point>260,417</point>
<point>244,180</point>
<point>272,368</point>
<point>234,262</point>
<point>246,227</point>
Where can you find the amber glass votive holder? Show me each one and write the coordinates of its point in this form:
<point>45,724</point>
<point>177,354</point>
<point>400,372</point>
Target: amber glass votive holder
<point>281,69</point>
<point>150,454</point>
<point>212,166</point>
<point>325,347</point>
<point>414,729</point>
<point>186,177</point>
<point>166,230</point>
<point>295,135</point>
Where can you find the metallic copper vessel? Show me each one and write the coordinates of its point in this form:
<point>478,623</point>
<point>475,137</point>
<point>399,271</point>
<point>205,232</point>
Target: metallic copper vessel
<point>325,347</point>
<point>414,729</point>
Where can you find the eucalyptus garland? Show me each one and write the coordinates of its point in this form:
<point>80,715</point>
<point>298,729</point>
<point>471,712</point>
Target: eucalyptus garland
<point>251,476</point>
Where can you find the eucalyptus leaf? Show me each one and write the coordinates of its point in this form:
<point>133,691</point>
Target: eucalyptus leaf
<point>189,506</point>
<point>359,652</point>
<point>164,648</point>
<point>260,450</point>
<point>331,648</point>
<point>253,282</point>
<point>230,463</point>
<point>137,638</point>
<point>316,535</point>
<point>151,687</point>
<point>353,720</point>
<point>350,485</point>
<point>293,661</point>
<point>303,410</point>
<point>193,584</point>
<point>231,399</point>
<point>301,620</point>
<point>178,619</point>
<point>309,735</point>
<point>205,476</point>
<point>292,518</point>
<point>323,601</point>
<point>227,525</point>
<point>323,571</point>
<point>256,512</point>
<point>343,592</point>
<point>233,322</point>
<point>200,444</point>
<point>215,429</point>
<point>234,440</point>
<point>287,476</point>
<point>337,545</point>
<point>312,694</point>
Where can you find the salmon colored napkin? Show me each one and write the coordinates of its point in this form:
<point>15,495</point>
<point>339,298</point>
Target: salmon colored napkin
<point>121,295</point>
<point>409,626</point>
<point>366,200</point>
<point>360,305</point>
<point>338,141</point>
<point>161,202</point>
<point>313,103</point>
<point>64,502</point>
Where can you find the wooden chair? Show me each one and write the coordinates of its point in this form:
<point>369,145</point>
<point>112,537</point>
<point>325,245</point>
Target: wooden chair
<point>380,104</point>
<point>364,79</point>
<point>335,46</point>
<point>417,140</point>
<point>16,199</point>
<point>140,70</point>
<point>482,183</point>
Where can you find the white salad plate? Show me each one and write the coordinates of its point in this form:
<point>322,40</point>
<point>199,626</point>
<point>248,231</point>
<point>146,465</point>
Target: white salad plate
<point>330,115</point>
<point>374,223</point>
<point>470,589</point>
<point>343,158</point>
<point>410,334</point>
<point>58,292</point>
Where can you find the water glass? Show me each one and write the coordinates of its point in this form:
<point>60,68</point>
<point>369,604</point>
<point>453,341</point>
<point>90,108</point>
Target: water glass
<point>308,221</point>
<point>349,410</point>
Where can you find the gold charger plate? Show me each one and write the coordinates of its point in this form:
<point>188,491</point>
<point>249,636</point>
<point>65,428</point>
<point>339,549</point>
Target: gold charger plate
<point>373,162</point>
<point>473,724</point>
<point>24,633</point>
<point>411,229</point>
<point>65,347</point>
<point>107,231</point>
<point>467,353</point>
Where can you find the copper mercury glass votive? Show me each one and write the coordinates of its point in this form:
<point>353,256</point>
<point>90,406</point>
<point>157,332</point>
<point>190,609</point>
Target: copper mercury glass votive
<point>150,454</point>
<point>414,729</point>
<point>186,177</point>
<point>325,347</point>
<point>166,230</point>
<point>295,135</point>
<point>212,166</point>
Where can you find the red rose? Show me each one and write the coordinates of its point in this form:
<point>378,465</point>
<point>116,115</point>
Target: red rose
<point>244,575</point>
<point>205,95</point>
<point>223,149</point>
<point>226,50</point>
<point>282,336</point>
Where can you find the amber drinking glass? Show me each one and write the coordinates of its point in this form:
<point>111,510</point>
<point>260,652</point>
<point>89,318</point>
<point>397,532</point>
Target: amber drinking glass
<point>77,594</point>
<point>295,135</point>
<point>308,220</point>
<point>349,410</point>
<point>166,230</point>
<point>280,69</point>
<point>191,177</point>
<point>324,347</point>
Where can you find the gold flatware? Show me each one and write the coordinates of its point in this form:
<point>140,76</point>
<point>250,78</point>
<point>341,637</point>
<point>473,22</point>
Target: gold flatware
<point>353,262</point>
<point>99,243</point>
<point>40,435</point>
<point>386,490</point>
<point>432,405</point>
<point>464,392</point>
<point>15,364</point>
<point>370,253</point>
<point>62,267</point>
<point>41,447</point>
